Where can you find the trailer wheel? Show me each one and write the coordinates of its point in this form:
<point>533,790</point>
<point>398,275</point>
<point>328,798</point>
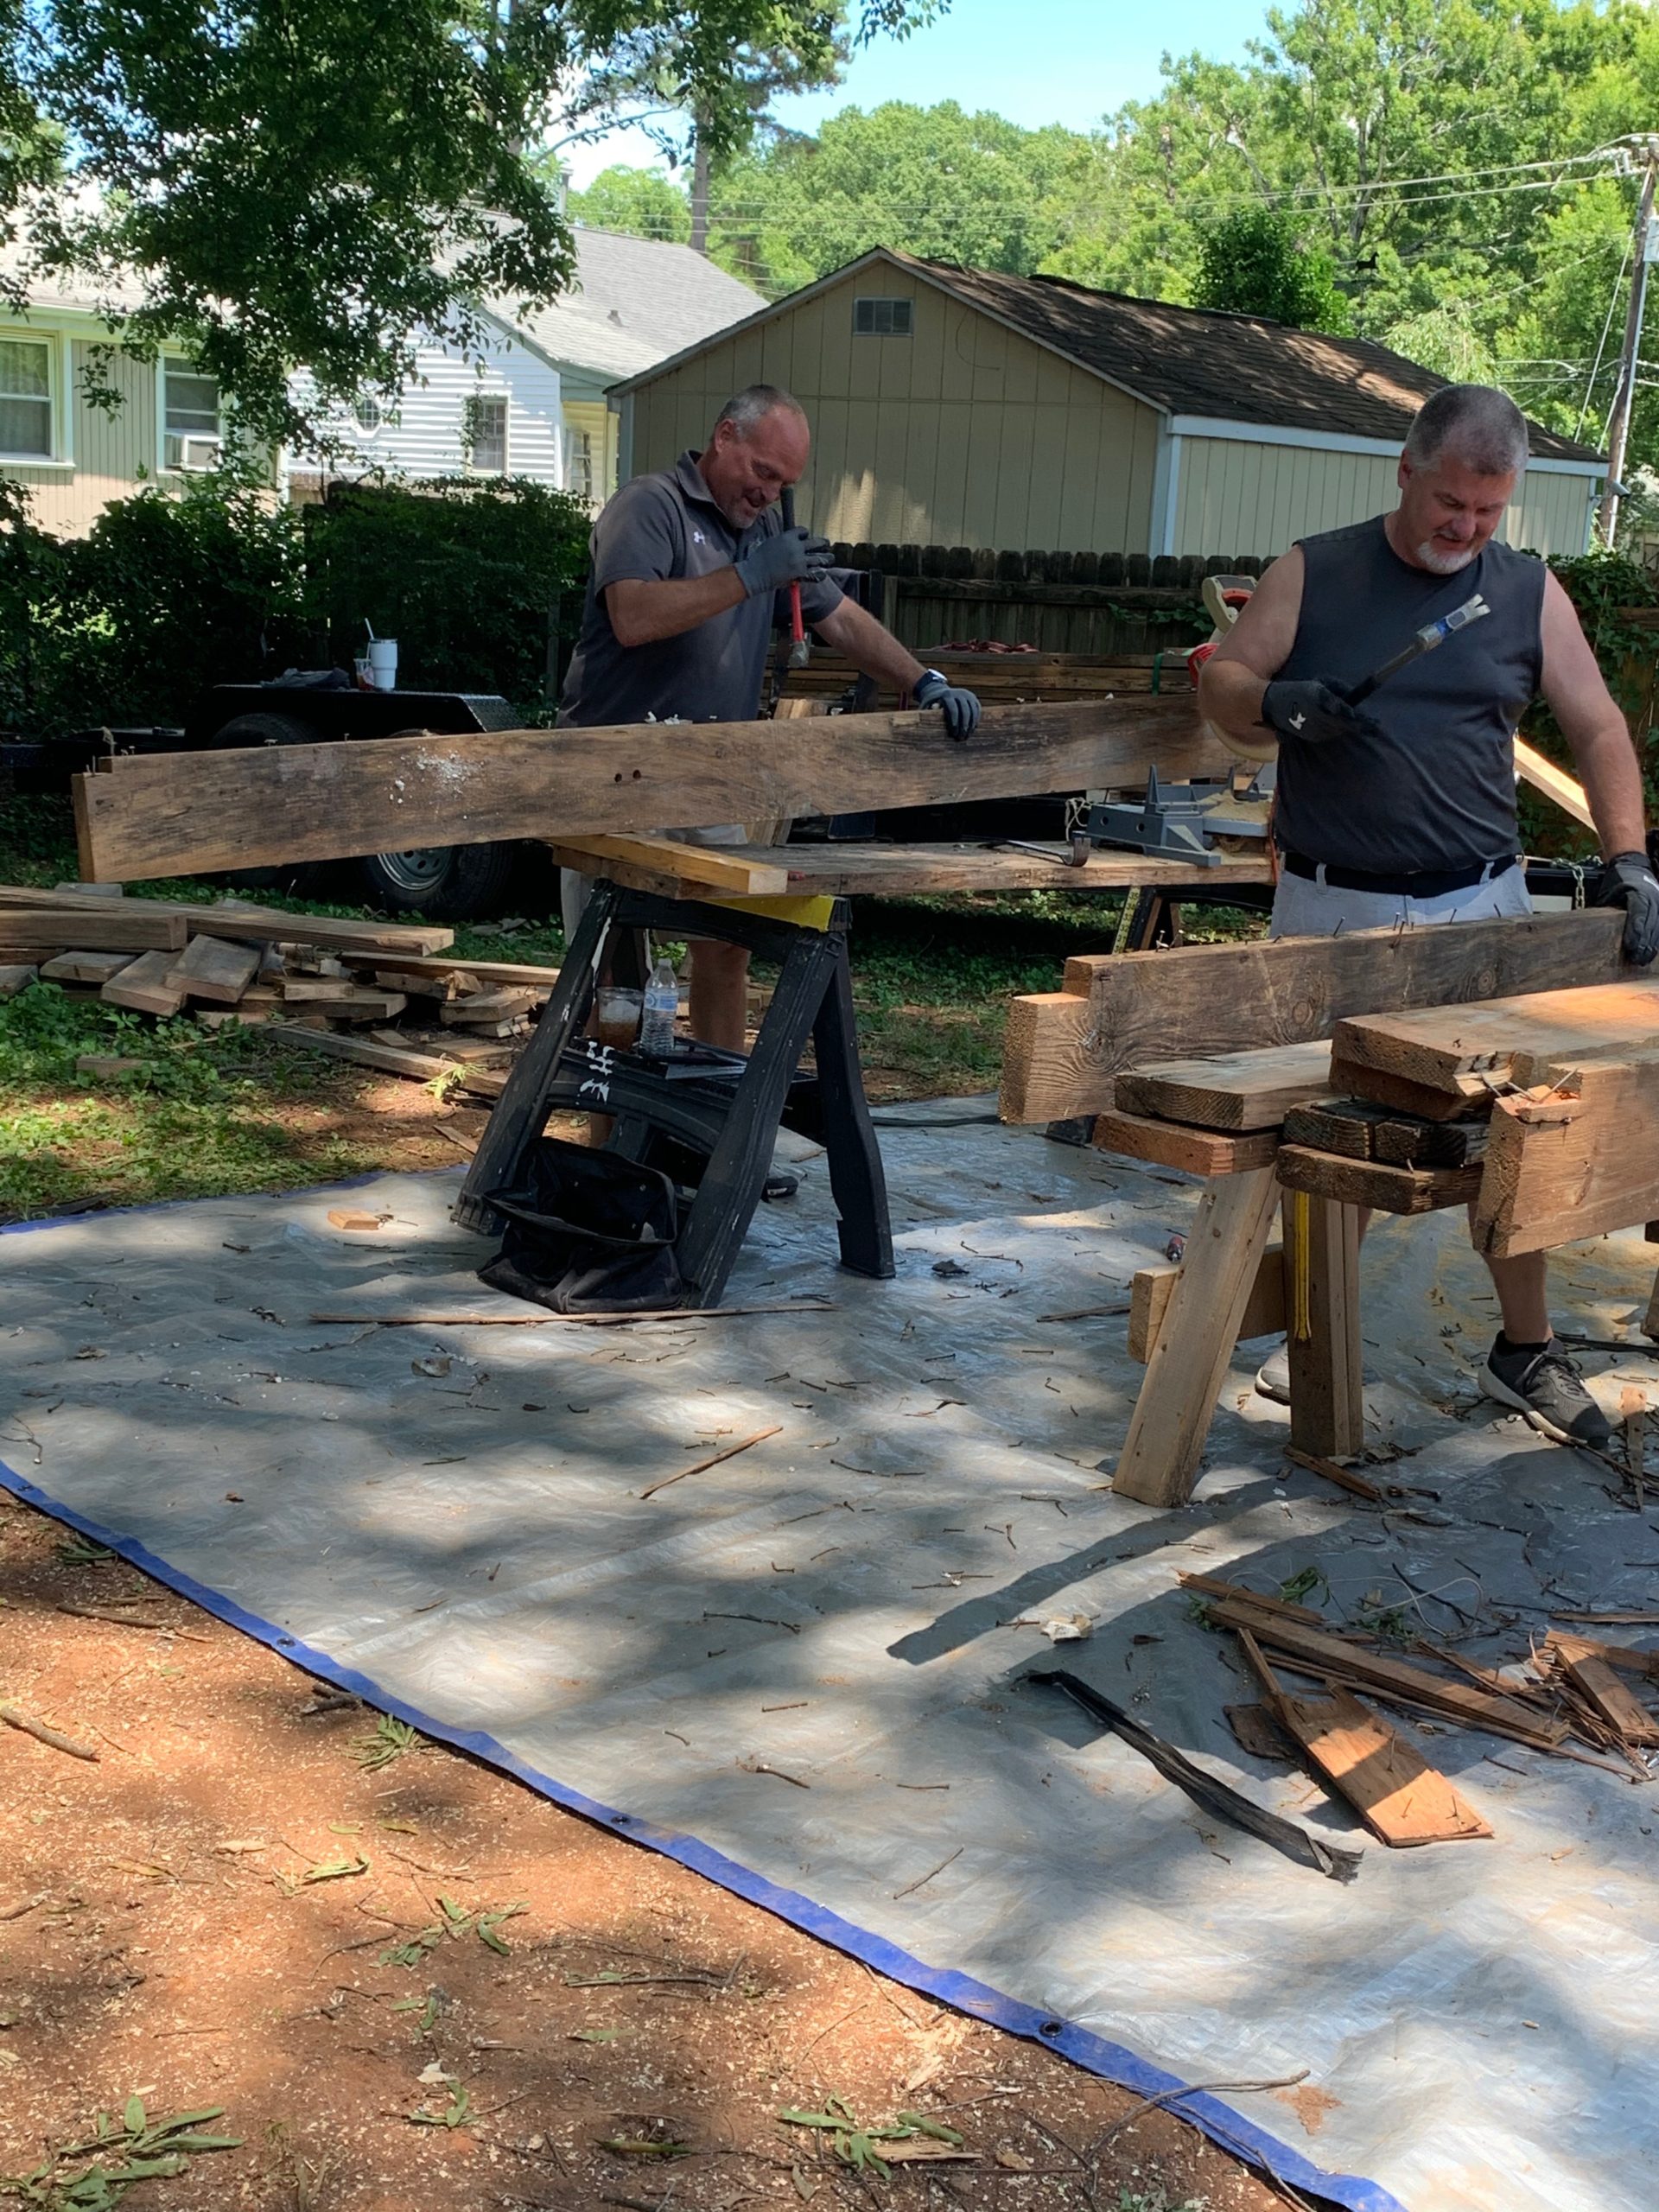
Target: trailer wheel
<point>450,883</point>
<point>241,732</point>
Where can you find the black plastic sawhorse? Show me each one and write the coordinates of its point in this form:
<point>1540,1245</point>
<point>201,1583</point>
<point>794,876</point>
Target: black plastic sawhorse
<point>727,1113</point>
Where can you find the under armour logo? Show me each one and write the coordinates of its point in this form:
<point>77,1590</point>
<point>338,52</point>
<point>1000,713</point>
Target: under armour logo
<point>697,537</point>
<point>1296,720</point>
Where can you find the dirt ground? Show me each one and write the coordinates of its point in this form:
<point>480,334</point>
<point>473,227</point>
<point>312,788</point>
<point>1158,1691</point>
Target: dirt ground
<point>416,1986</point>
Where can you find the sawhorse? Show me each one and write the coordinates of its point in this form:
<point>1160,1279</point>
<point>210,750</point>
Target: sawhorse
<point>726,1115</point>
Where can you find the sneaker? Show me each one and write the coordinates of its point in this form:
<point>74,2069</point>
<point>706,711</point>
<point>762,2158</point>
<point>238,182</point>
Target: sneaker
<point>1548,1389</point>
<point>1272,1377</point>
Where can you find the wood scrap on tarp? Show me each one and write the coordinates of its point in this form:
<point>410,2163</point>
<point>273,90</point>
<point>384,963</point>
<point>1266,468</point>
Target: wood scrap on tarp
<point>1206,1790</point>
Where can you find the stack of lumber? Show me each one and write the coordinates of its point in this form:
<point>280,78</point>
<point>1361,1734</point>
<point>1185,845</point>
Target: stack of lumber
<point>1572,1692</point>
<point>331,985</point>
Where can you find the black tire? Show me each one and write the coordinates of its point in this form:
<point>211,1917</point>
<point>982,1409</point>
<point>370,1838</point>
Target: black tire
<point>447,883</point>
<point>236,735</point>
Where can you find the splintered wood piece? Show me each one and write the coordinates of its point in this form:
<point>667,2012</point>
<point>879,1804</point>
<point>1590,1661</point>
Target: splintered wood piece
<point>1259,1732</point>
<point>453,983</point>
<point>1401,1798</point>
<point>1573,1166</point>
<point>1175,1144</point>
<point>1621,1655</point>
<point>216,968</point>
<point>388,1058</point>
<point>1343,1477</point>
<point>1236,1091</point>
<point>1152,1288</point>
<point>507,1003</point>
<point>268,805</point>
<point>1214,1586</point>
<point>146,984</point>
<point>1345,1126</point>
<point>1317,1651</point>
<point>84,967</point>
<point>109,926</point>
<point>1172,1416</point>
<point>1596,1682</point>
<point>1370,1183</point>
<point>1443,1047</point>
<point>1353,1079</point>
<point>352,1218</point>
<point>1194,1001</point>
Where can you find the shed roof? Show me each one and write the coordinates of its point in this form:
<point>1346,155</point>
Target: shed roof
<point>634,301</point>
<point>1236,368</point>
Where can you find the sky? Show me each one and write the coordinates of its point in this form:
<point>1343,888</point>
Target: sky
<point>1068,62</point>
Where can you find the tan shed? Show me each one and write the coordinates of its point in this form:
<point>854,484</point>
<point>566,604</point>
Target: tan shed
<point>963,407</point>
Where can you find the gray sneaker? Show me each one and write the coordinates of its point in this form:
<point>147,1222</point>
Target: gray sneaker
<point>1548,1389</point>
<point>1272,1377</point>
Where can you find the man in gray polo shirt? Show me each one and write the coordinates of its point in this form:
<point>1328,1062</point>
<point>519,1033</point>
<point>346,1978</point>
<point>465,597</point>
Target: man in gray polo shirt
<point>691,570</point>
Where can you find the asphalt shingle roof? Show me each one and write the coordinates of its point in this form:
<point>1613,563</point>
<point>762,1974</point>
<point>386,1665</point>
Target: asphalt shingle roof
<point>1243,368</point>
<point>636,301</point>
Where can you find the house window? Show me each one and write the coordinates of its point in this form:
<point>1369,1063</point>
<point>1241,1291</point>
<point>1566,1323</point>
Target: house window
<point>366,414</point>
<point>26,398</point>
<point>881,318</point>
<point>581,471</point>
<point>191,437</point>
<point>485,433</point>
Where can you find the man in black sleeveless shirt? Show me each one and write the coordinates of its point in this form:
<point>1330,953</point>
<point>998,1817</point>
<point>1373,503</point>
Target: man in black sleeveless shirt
<point>1401,811</point>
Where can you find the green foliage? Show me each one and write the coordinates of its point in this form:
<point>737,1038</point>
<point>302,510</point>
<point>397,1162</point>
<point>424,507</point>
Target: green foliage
<point>1256,263</point>
<point>95,2174</point>
<point>644,203</point>
<point>168,594</point>
<point>305,184</point>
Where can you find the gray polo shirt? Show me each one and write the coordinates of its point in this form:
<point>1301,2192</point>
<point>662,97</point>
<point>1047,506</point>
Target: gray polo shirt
<point>667,524</point>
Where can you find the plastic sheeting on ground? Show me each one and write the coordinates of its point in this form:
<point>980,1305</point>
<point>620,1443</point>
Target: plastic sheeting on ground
<point>455,1517</point>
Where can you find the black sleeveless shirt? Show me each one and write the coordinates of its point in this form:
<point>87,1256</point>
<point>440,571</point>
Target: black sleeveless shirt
<point>1436,790</point>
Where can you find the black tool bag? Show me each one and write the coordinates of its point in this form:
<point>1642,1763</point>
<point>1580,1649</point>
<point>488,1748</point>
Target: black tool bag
<point>587,1233</point>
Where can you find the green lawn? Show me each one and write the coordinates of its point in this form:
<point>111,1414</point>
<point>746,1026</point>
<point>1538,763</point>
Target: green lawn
<point>230,1111</point>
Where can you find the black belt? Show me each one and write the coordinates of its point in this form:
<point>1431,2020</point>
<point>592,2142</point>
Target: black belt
<point>1423,883</point>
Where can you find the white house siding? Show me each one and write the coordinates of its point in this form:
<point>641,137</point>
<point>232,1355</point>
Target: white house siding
<point>1234,497</point>
<point>424,435</point>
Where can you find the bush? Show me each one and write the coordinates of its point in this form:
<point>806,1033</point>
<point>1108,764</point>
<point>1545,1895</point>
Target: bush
<point>170,593</point>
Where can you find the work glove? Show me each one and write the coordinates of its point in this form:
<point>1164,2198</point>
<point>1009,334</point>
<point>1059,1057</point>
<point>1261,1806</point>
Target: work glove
<point>1314,711</point>
<point>788,557</point>
<point>959,708</point>
<point>1627,881</point>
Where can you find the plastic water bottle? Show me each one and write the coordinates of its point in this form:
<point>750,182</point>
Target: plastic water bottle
<point>662,1004</point>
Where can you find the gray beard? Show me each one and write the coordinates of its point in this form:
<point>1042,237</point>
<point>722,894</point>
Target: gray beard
<point>1442,564</point>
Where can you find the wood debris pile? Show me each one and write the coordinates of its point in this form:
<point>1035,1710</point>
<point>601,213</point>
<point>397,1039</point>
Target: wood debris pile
<point>1573,1696</point>
<point>381,995</point>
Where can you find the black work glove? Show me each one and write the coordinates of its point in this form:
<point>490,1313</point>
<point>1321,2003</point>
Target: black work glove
<point>788,557</point>
<point>959,708</point>
<point>1314,711</point>
<point>1627,881</point>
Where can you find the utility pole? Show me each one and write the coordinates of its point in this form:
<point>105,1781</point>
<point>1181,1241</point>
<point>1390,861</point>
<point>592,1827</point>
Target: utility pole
<point>1618,420</point>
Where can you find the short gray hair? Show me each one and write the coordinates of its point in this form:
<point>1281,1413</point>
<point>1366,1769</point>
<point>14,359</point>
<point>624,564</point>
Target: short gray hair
<point>1480,425</point>
<point>746,410</point>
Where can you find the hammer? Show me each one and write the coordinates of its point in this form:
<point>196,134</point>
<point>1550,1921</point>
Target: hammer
<point>800,652</point>
<point>1423,641</point>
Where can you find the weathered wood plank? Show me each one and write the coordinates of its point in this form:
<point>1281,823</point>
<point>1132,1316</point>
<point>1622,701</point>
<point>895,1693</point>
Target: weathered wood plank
<point>1351,1079</point>
<point>718,867</point>
<point>259,924</point>
<point>1193,1001</point>
<point>1175,1144</point>
<point>1046,1071</point>
<point>216,968</point>
<point>118,929</point>
<point>1453,1048</point>
<point>1360,1128</point>
<point>1570,1166</point>
<point>1595,1680</point>
<point>165,813</point>
<point>146,985</point>
<point>1370,1183</point>
<point>1327,1409</point>
<point>1152,1288</point>
<point>1237,1091</point>
<point>1172,1416</point>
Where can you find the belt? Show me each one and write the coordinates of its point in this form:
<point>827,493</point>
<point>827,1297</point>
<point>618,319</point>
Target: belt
<point>1422,883</point>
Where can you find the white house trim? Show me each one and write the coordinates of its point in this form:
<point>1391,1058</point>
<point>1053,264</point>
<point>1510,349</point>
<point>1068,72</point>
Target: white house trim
<point>61,372</point>
<point>1274,434</point>
<point>1166,491</point>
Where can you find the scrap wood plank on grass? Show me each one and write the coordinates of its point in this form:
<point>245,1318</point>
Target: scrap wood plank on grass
<point>1328,1657</point>
<point>1402,1799</point>
<point>146,985</point>
<point>15,976</point>
<point>1566,1167</point>
<point>1177,1144</point>
<point>1468,1048</point>
<point>163,814</point>
<point>1599,1686</point>
<point>387,1060</point>
<point>1198,1001</point>
<point>446,976</point>
<point>1233,1092</point>
<point>233,919</point>
<point>216,968</point>
<point>1374,1183</point>
<point>114,928</point>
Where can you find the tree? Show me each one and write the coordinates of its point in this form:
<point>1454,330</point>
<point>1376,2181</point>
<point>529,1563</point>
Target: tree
<point>644,203</point>
<point>295,181</point>
<point>1254,262</point>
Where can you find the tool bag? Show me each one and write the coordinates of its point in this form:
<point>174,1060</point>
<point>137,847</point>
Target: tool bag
<point>588,1232</point>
